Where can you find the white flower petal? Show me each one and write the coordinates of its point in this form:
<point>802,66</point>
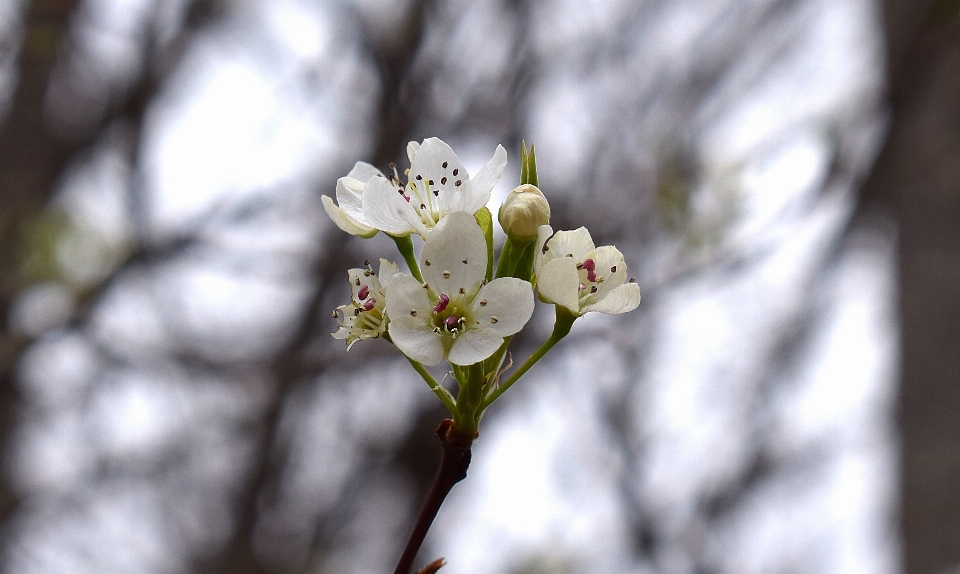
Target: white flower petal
<point>504,305</point>
<point>412,149</point>
<point>575,243</point>
<point>344,221</point>
<point>409,308</point>
<point>474,345</point>
<point>349,192</point>
<point>386,209</point>
<point>540,255</point>
<point>478,188</point>
<point>455,255</point>
<point>421,345</point>
<point>387,271</point>
<point>623,298</point>
<point>363,171</point>
<point>558,282</point>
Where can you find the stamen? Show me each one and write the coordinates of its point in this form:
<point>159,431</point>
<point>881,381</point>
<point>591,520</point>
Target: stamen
<point>591,276</point>
<point>370,304</point>
<point>336,313</point>
<point>357,281</point>
<point>593,289</point>
<point>366,262</point>
<point>483,302</point>
<point>426,262</point>
<point>419,177</point>
<point>464,261</point>
<point>494,319</point>
<point>459,183</point>
<point>613,269</point>
<point>589,264</point>
<point>446,274</point>
<point>363,292</point>
<point>456,171</point>
<point>444,301</point>
<point>444,166</point>
<point>451,321</point>
<point>581,287</point>
<point>463,291</point>
<point>443,180</point>
<point>413,312</point>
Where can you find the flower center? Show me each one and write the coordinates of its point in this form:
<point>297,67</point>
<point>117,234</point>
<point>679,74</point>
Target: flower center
<point>448,317</point>
<point>424,193</point>
<point>588,278</point>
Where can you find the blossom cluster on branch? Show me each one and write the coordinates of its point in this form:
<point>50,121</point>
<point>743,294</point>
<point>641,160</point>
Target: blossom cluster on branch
<point>454,305</point>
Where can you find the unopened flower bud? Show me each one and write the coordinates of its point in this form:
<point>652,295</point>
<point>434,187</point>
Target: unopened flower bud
<point>524,211</point>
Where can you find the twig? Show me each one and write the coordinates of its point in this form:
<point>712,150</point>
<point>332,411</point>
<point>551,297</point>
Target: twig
<point>454,463</point>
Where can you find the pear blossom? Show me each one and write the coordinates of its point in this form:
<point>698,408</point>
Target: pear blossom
<point>437,184</point>
<point>364,317</point>
<point>571,272</point>
<point>455,314</point>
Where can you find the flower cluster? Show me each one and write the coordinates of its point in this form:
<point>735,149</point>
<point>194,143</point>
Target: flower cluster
<point>452,305</point>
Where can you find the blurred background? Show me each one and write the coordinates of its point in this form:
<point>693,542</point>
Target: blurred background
<point>782,176</point>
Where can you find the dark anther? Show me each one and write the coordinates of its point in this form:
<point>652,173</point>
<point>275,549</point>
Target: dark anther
<point>456,171</point>
<point>459,183</point>
<point>444,165</point>
<point>443,180</point>
<point>419,177</point>
<point>593,289</point>
<point>613,269</point>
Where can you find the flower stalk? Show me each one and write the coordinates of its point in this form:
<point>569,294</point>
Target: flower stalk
<point>454,462</point>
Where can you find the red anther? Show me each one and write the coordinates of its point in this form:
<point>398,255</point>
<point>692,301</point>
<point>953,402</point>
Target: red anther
<point>370,304</point>
<point>589,265</point>
<point>451,321</point>
<point>363,292</point>
<point>444,300</point>
<point>591,276</point>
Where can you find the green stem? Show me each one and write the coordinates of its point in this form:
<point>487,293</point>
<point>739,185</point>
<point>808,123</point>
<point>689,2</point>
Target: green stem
<point>405,247</point>
<point>561,327</point>
<point>469,399</point>
<point>505,256</point>
<point>445,397</point>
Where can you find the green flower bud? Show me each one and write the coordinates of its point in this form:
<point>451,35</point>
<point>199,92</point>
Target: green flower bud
<point>524,211</point>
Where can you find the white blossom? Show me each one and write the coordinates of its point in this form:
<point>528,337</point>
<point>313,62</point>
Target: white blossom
<point>573,273</point>
<point>364,317</point>
<point>437,184</point>
<point>455,315</point>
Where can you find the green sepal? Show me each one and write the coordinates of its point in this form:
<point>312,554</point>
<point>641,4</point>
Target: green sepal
<point>531,161</point>
<point>485,221</point>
